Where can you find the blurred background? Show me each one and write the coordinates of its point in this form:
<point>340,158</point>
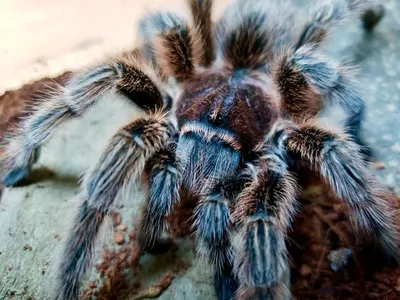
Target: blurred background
<point>44,38</point>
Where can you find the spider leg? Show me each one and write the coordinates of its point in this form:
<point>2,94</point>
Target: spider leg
<point>126,75</point>
<point>165,180</point>
<point>168,43</point>
<point>249,31</point>
<point>329,13</point>
<point>225,283</point>
<point>212,232</point>
<point>120,166</point>
<point>340,163</point>
<point>372,16</point>
<point>304,77</point>
<point>203,42</point>
<point>264,212</point>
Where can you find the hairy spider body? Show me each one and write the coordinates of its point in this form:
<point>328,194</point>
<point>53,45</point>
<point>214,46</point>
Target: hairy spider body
<point>231,115</point>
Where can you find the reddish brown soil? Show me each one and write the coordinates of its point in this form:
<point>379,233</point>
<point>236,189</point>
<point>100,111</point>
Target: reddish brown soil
<point>13,103</point>
<point>321,226</point>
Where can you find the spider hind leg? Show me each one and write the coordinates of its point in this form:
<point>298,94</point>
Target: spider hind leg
<point>330,13</point>
<point>203,43</point>
<point>168,44</point>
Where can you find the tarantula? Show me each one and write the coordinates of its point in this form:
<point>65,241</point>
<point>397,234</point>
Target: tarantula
<point>231,116</point>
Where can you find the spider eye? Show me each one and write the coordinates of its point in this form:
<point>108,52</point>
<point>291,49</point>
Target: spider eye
<point>218,120</point>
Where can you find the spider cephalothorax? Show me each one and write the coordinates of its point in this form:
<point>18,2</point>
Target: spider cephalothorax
<point>221,100</point>
<point>232,110</point>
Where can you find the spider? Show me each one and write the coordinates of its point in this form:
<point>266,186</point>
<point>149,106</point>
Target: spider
<point>231,115</point>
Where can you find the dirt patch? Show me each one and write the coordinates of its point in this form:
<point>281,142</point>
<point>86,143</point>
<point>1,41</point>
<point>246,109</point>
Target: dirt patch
<point>114,268</point>
<point>320,231</point>
<point>322,238</point>
<point>120,269</point>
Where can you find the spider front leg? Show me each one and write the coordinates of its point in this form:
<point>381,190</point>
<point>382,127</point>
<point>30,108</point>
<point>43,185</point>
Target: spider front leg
<point>263,213</point>
<point>127,75</point>
<point>165,178</point>
<point>304,78</point>
<point>212,231</point>
<point>121,165</point>
<point>339,161</point>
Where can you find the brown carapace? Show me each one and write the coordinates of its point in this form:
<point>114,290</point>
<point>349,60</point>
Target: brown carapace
<point>232,110</point>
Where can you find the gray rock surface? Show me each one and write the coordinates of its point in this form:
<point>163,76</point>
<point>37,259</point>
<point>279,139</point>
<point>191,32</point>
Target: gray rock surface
<point>34,214</point>
<point>377,57</point>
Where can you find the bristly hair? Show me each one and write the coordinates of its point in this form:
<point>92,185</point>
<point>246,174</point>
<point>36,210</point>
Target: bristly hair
<point>203,42</point>
<point>227,119</point>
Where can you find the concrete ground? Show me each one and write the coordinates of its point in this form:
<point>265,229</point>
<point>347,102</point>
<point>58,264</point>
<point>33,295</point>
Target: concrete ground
<point>34,214</point>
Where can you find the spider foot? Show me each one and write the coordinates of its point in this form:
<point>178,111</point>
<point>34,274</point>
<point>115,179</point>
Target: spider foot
<point>17,174</point>
<point>225,285</point>
<point>372,17</point>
